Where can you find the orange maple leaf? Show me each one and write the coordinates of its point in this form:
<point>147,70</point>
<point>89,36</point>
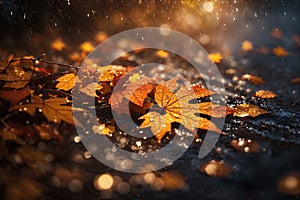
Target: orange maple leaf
<point>215,57</point>
<point>177,108</point>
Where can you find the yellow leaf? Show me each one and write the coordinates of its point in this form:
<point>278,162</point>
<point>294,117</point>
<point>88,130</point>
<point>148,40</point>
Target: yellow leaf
<point>58,44</point>
<point>280,52</point>
<point>265,94</point>
<point>247,46</point>
<point>53,109</point>
<point>66,82</point>
<point>245,110</point>
<point>215,57</point>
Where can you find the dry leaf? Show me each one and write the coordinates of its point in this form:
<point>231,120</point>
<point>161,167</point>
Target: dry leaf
<point>245,110</point>
<point>16,95</point>
<point>295,80</point>
<point>253,79</point>
<point>265,94</point>
<point>176,108</point>
<point>215,57</point>
<point>66,82</point>
<point>58,44</point>
<point>53,109</point>
<point>108,73</point>
<point>247,46</point>
<point>280,52</point>
<point>11,134</point>
<point>15,77</point>
<point>216,168</point>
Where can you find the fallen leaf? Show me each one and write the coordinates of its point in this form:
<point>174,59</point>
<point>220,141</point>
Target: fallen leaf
<point>295,80</point>
<point>265,94</point>
<point>216,168</point>
<point>175,107</point>
<point>253,79</point>
<point>66,82</point>
<point>58,44</point>
<point>15,77</point>
<point>247,46</point>
<point>53,109</point>
<point>108,73</point>
<point>14,96</point>
<point>215,57</point>
<point>280,52</point>
<point>46,132</point>
<point>11,134</point>
<point>245,110</point>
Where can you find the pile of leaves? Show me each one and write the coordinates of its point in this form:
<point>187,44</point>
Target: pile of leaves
<point>154,104</point>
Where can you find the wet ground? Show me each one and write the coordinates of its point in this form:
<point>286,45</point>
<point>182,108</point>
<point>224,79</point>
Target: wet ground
<point>267,167</point>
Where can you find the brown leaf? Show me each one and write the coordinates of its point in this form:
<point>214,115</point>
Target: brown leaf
<point>15,77</point>
<point>58,44</point>
<point>253,79</point>
<point>16,95</point>
<point>265,94</point>
<point>216,168</point>
<point>245,110</point>
<point>295,80</point>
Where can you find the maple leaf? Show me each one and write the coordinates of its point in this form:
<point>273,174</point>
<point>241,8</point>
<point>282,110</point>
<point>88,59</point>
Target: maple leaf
<point>66,82</point>
<point>177,108</point>
<point>215,57</point>
<point>53,109</point>
<point>10,134</point>
<point>16,95</point>
<point>15,77</point>
<point>136,91</point>
<point>245,110</point>
<point>265,94</point>
<point>280,52</point>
